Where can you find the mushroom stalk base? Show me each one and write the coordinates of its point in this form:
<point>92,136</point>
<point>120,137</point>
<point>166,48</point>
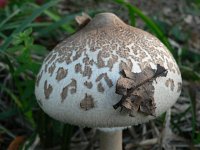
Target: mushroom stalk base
<point>110,140</point>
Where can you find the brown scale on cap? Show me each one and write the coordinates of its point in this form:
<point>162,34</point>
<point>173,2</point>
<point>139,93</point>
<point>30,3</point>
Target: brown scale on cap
<point>52,59</point>
<point>106,78</point>
<point>88,84</point>
<point>78,68</point>
<point>100,87</point>
<point>49,60</point>
<point>100,63</point>
<point>124,66</point>
<point>101,76</point>
<point>112,60</point>
<point>48,57</point>
<point>86,60</point>
<point>170,83</point>
<point>87,103</point>
<point>47,89</point>
<point>51,69</point>
<point>72,85</point>
<point>61,73</point>
<point>179,87</point>
<point>77,55</point>
<point>87,72</point>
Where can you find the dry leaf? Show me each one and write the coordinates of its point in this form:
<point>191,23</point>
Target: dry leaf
<point>15,144</point>
<point>137,90</point>
<point>83,19</point>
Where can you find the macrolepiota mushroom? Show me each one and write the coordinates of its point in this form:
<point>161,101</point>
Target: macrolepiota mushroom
<point>108,75</point>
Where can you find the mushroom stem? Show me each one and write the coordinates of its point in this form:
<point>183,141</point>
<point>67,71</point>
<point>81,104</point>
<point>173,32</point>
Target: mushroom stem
<point>111,140</point>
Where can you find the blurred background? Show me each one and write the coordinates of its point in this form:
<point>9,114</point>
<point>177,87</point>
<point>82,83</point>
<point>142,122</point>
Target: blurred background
<point>29,29</point>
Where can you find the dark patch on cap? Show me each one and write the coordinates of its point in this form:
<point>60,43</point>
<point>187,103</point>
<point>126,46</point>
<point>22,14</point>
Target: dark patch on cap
<point>112,61</point>
<point>106,78</point>
<point>87,103</point>
<point>64,93</point>
<point>105,52</point>
<point>51,69</point>
<point>100,77</point>
<point>88,84</point>
<point>78,68</point>
<point>87,71</point>
<point>179,87</point>
<point>100,62</point>
<point>48,57</point>
<point>72,85</point>
<point>86,60</point>
<point>52,59</point>
<point>100,87</point>
<point>124,66</point>
<point>61,73</point>
<point>123,53</point>
<point>77,55</point>
<point>170,83</point>
<point>68,59</point>
<point>47,89</point>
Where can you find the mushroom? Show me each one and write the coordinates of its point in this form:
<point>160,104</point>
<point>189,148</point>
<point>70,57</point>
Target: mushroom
<point>108,75</point>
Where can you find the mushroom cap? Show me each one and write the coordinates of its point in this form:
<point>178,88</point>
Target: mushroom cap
<point>77,81</point>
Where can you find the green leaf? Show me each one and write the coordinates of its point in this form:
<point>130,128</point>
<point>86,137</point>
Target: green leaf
<point>26,22</point>
<point>38,50</point>
<point>179,35</point>
<point>189,74</point>
<point>8,113</point>
<point>3,22</point>
<point>13,96</point>
<point>56,18</point>
<point>3,129</point>
<point>64,20</point>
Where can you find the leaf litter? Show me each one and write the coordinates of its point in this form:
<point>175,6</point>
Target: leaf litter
<point>137,90</point>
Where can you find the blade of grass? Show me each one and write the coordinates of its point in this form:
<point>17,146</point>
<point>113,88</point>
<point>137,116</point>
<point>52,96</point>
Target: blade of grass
<point>192,93</point>
<point>3,36</point>
<point>14,26</point>
<point>56,17</point>
<point>132,17</point>
<point>189,74</point>
<point>8,113</point>
<point>8,18</point>
<point>13,97</point>
<point>57,24</point>
<point>2,128</point>
<point>27,21</point>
